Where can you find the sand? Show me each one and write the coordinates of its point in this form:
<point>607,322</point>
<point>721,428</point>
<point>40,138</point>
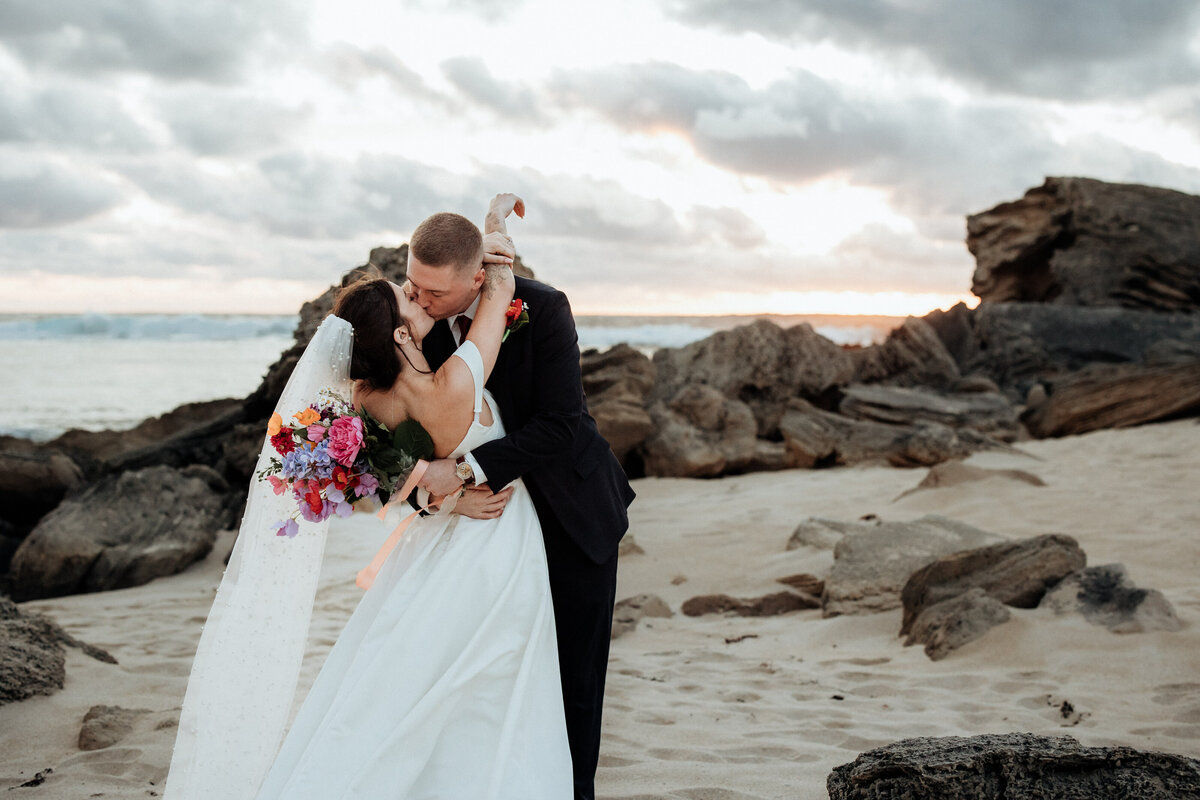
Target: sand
<point>724,708</point>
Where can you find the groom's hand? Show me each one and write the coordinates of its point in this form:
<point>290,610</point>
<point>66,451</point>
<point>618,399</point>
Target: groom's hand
<point>440,478</point>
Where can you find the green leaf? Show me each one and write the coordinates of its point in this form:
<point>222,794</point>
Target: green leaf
<point>412,438</point>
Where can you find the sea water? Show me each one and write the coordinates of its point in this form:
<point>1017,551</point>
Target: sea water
<point>111,371</point>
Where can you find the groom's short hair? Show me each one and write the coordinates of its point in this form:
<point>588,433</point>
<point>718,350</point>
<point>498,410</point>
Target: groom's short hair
<point>447,239</point>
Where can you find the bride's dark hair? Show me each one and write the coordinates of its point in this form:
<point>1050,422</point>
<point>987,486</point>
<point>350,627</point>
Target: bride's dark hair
<point>370,306</point>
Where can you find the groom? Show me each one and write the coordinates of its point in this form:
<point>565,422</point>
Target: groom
<point>577,485</point>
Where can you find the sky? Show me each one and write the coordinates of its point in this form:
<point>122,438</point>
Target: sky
<point>675,156</point>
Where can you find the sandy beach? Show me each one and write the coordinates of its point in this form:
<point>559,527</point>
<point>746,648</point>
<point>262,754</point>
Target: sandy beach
<point>722,707</point>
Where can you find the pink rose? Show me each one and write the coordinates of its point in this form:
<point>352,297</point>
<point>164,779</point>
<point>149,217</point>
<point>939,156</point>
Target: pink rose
<point>345,440</point>
<point>316,432</point>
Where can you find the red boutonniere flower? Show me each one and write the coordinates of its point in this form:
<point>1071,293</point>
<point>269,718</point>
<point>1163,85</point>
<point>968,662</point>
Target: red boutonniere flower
<point>517,316</point>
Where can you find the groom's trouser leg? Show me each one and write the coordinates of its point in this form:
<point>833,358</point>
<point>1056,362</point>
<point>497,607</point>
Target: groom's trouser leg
<point>584,593</point>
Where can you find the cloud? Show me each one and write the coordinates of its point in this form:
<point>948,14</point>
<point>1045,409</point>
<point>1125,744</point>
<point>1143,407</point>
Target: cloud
<point>349,65</point>
<point>210,42</point>
<point>84,119</point>
<point>515,103</point>
<point>1065,49</point>
<point>36,193</point>
<point>222,122</point>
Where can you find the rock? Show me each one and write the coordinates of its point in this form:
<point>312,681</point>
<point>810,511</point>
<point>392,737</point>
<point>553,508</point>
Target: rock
<point>804,583</point>
<point>1014,573</point>
<point>702,433</point>
<point>123,530</point>
<point>1105,596</point>
<point>760,365</point>
<point>107,445</point>
<point>616,383</point>
<point>1020,344</point>
<point>821,533</point>
<point>912,355</point>
<point>1115,396</point>
<point>628,612</point>
<point>872,564</point>
<point>32,483</point>
<point>1076,241</point>
<point>766,606</point>
<point>32,660</point>
<point>1008,766</point>
<point>990,414</point>
<point>628,546</point>
<point>950,624</point>
<point>956,473</point>
<point>816,438</point>
<point>104,726</point>
<point>971,384</point>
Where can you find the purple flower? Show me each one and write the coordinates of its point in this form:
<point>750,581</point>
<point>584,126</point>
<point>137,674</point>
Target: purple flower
<point>298,464</point>
<point>320,516</point>
<point>287,528</point>
<point>367,484</point>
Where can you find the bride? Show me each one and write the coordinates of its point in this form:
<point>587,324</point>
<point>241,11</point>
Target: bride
<point>445,681</point>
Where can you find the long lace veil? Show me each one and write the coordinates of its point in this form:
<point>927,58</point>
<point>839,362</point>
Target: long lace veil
<point>247,665</point>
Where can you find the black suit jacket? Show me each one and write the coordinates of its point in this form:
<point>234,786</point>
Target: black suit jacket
<point>577,484</point>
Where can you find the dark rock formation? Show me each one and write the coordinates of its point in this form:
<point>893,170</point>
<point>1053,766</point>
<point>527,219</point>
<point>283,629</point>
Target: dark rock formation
<point>1010,766</point>
<point>32,483</point>
<point>1114,396</point>
<point>987,413</point>
<point>1105,596</point>
<point>1014,573</point>
<point>123,530</point>
<point>31,653</point>
<point>953,622</point>
<point>760,365</point>
<point>805,584</point>
<point>629,612</point>
<point>769,605</point>
<point>912,355</point>
<point>1076,241</point>
<point>110,445</point>
<point>104,726</point>
<point>616,383</point>
<point>873,563</point>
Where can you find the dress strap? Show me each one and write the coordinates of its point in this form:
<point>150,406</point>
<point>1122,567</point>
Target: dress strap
<point>469,353</point>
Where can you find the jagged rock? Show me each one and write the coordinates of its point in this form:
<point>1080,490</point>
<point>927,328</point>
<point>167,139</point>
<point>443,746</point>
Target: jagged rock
<point>912,355</point>
<point>989,413</point>
<point>822,533</point>
<point>33,482</point>
<point>761,365</point>
<point>956,473</point>
<point>769,605</point>
<point>1105,596</point>
<point>31,653</point>
<point>1014,573</point>
<point>123,530</point>
<point>1077,241</point>
<point>628,612</point>
<point>872,564</point>
<point>953,622</point>
<point>616,383</point>
<point>702,433</point>
<point>1115,396</point>
<point>1019,344</point>
<point>106,445</point>
<point>816,438</point>
<point>1008,766</point>
<point>104,726</point>
<point>805,584</point>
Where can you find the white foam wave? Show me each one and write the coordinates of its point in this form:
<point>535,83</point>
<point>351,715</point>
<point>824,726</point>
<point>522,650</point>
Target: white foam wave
<point>159,327</point>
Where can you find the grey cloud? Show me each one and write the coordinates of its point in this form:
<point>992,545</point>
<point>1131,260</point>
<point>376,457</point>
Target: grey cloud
<point>726,226</point>
<point>171,40</point>
<point>1069,49</point>
<point>215,122</point>
<point>37,194</point>
<point>349,65</point>
<point>515,103</point>
<point>87,119</point>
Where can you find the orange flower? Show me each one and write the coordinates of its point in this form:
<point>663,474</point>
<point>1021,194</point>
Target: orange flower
<point>274,424</point>
<point>307,417</point>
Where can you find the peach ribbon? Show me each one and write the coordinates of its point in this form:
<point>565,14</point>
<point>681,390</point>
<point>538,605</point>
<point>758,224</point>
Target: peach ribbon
<point>366,576</point>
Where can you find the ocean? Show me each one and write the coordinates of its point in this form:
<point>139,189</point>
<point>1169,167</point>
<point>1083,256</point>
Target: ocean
<point>111,371</point>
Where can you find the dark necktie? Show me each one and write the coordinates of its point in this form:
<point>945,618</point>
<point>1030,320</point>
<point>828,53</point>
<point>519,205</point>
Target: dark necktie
<point>464,325</point>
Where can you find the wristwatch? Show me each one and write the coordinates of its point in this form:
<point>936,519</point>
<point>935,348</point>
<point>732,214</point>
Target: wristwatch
<point>464,471</point>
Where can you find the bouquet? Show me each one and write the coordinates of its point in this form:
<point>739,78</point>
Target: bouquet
<point>333,452</point>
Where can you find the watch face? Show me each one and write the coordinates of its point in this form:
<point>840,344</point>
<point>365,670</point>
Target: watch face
<point>464,470</point>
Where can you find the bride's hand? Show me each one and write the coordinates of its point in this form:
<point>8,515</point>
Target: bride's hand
<point>498,249</point>
<point>504,204</point>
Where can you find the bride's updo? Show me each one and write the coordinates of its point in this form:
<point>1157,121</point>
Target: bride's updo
<point>370,306</point>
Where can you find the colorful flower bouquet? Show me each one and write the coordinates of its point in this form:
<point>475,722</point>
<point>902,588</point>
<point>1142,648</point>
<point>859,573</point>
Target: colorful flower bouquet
<point>334,452</point>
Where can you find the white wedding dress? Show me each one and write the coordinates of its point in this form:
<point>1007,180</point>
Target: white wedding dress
<point>444,683</point>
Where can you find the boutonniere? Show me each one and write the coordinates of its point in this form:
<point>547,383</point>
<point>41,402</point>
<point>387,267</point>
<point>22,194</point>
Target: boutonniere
<point>517,316</point>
